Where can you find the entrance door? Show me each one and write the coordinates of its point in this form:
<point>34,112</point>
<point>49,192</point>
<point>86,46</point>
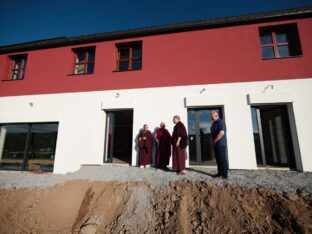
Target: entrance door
<point>118,143</point>
<point>28,146</point>
<point>200,141</point>
<point>272,136</point>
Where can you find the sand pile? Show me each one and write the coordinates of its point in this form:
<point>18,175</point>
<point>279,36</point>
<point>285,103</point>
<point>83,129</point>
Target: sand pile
<point>137,207</point>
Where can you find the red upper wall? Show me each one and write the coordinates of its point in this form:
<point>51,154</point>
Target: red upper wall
<point>220,55</point>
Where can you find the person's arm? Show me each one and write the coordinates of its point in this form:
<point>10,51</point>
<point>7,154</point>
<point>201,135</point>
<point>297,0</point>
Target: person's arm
<point>219,136</point>
<point>178,141</point>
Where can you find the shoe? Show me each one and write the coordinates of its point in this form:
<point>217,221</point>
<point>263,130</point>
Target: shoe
<point>141,166</point>
<point>181,173</point>
<point>147,166</point>
<point>216,175</point>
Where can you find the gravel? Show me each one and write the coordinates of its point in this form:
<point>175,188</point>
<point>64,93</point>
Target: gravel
<point>284,181</point>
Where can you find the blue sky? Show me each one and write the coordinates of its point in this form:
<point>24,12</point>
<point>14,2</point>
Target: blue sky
<point>28,20</point>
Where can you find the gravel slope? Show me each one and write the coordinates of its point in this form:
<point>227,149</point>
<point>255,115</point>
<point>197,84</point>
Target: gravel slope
<point>284,181</point>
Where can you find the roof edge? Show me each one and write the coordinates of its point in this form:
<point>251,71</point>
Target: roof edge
<point>302,12</point>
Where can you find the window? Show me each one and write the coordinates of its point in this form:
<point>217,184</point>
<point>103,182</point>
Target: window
<point>280,41</point>
<point>18,66</point>
<point>129,56</point>
<point>28,146</point>
<point>84,60</point>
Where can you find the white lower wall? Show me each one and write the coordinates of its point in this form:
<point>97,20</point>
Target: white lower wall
<point>81,116</point>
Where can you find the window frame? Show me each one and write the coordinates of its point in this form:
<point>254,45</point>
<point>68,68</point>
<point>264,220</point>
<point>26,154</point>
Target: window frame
<point>21,70</point>
<point>130,46</point>
<point>86,51</point>
<point>293,40</point>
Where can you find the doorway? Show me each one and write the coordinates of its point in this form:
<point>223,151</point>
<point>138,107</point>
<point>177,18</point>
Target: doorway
<point>200,141</point>
<point>272,136</point>
<point>28,146</point>
<point>118,140</point>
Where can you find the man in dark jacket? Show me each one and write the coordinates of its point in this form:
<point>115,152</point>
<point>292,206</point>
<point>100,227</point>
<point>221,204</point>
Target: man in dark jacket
<point>218,134</point>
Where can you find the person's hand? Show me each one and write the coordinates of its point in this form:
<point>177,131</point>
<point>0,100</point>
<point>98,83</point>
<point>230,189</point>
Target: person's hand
<point>177,144</point>
<point>144,138</point>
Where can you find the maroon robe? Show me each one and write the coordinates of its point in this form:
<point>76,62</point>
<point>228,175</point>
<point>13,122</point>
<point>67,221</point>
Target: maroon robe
<point>145,149</point>
<point>179,153</point>
<point>164,147</point>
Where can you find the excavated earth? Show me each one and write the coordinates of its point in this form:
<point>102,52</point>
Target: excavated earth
<point>182,206</point>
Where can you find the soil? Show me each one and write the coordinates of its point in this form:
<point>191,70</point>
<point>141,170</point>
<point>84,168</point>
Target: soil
<point>83,206</point>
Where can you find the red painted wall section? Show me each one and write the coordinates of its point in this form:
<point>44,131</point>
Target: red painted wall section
<point>221,55</point>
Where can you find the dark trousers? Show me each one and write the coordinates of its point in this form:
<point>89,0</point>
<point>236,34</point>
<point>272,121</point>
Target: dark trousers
<point>220,154</point>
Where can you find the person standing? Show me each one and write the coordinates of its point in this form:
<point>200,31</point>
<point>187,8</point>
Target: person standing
<point>179,142</point>
<point>218,134</point>
<point>145,147</point>
<point>163,139</point>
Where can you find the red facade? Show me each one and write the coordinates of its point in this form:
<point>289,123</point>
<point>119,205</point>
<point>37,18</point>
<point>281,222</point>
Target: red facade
<point>208,56</point>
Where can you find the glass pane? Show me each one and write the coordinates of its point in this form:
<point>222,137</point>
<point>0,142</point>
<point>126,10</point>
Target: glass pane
<point>136,64</point>
<point>80,57</point>
<point>281,37</point>
<point>283,51</point>
<point>42,151</point>
<point>91,56</point>
<point>123,65</point>
<point>15,74</point>
<point>90,67</point>
<point>124,53</point>
<point>79,69</point>
<point>256,135</point>
<point>17,64</point>
<point>266,38</point>
<point>137,51</point>
<point>12,146</point>
<point>191,135</point>
<point>268,52</point>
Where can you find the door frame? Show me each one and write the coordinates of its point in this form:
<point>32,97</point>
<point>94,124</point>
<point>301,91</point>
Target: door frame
<point>106,131</point>
<point>198,142</point>
<point>292,130</point>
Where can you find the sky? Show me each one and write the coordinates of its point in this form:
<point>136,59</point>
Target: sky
<point>29,20</point>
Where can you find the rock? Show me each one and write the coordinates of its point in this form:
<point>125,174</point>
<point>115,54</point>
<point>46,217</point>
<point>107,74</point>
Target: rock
<point>293,196</point>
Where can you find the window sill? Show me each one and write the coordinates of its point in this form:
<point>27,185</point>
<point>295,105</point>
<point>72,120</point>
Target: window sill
<point>81,74</point>
<point>128,70</point>
<point>12,80</point>
<point>296,56</point>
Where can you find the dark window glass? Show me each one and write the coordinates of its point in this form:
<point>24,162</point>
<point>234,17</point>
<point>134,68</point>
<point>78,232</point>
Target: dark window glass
<point>137,52</point>
<point>281,37</point>
<point>136,64</point>
<point>268,52</point>
<point>123,65</point>
<point>266,38</point>
<point>124,53</point>
<point>90,68</point>
<point>283,51</point>
<point>91,56</point>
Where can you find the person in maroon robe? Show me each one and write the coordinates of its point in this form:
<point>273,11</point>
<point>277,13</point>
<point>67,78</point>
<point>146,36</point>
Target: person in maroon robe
<point>179,142</point>
<point>145,140</point>
<point>163,139</point>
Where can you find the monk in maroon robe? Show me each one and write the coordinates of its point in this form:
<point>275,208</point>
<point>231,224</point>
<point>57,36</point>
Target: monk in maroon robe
<point>179,142</point>
<point>163,139</point>
<point>145,147</point>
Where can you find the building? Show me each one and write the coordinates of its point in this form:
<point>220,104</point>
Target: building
<point>65,102</point>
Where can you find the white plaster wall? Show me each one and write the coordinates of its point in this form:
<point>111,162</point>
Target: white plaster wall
<point>81,116</point>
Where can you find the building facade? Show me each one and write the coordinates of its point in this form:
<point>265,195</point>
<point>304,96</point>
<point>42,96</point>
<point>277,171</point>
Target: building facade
<point>65,102</point>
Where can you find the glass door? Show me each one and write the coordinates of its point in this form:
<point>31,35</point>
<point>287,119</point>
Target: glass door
<point>109,144</point>
<point>200,141</point>
<point>272,136</point>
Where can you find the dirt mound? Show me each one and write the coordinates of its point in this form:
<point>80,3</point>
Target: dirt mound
<point>137,207</point>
